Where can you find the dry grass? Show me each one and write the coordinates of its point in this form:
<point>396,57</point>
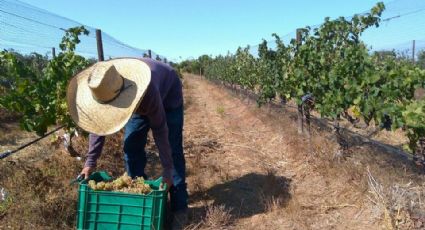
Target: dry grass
<point>399,206</point>
<point>274,193</point>
<point>217,217</point>
<point>272,203</point>
<point>325,188</point>
<point>37,182</point>
<point>39,193</point>
<point>220,110</point>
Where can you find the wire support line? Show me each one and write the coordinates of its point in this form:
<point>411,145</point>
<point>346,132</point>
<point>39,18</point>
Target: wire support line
<point>402,15</point>
<point>10,152</point>
<point>27,7</point>
<point>32,20</point>
<point>23,31</point>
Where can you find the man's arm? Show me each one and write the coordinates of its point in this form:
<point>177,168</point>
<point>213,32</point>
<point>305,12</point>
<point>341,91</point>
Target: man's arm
<point>95,149</point>
<point>153,108</point>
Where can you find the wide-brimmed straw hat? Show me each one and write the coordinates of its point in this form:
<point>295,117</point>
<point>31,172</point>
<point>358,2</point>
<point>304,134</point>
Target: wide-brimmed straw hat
<point>102,97</point>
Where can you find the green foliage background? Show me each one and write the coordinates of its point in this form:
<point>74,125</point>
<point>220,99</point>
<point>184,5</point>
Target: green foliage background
<point>35,87</point>
<point>335,66</point>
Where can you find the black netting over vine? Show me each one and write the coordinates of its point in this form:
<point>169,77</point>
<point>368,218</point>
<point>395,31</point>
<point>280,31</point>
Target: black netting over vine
<point>26,29</point>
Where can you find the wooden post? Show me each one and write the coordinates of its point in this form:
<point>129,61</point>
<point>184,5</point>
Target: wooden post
<point>300,119</point>
<point>100,56</point>
<point>307,108</point>
<point>300,107</point>
<point>298,36</point>
<point>413,51</point>
<point>150,53</point>
<point>53,52</point>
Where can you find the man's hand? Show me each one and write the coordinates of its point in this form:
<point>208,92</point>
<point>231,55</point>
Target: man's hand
<point>167,181</point>
<point>87,171</point>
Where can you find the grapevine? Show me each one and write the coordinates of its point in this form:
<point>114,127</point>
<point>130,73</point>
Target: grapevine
<point>40,96</point>
<point>336,67</point>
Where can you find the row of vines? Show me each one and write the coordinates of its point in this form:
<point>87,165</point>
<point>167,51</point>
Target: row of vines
<point>332,64</point>
<point>34,87</point>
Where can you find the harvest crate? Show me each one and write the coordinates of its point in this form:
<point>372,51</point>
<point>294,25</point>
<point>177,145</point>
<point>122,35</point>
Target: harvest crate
<point>117,210</point>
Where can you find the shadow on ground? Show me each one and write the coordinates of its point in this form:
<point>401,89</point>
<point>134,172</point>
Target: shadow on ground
<point>246,196</point>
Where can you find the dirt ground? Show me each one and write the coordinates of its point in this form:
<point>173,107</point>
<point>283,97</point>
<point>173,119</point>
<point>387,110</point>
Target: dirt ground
<point>247,168</point>
<point>251,161</point>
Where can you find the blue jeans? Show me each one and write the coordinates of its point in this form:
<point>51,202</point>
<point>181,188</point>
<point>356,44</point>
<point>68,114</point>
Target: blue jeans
<point>135,137</point>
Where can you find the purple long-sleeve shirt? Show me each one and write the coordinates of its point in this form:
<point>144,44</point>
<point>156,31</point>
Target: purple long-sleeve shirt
<point>163,93</point>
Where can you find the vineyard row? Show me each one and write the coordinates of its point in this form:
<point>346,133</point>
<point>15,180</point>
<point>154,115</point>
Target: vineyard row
<point>333,68</point>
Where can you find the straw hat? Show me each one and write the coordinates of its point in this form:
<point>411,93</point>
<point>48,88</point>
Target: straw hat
<point>102,98</point>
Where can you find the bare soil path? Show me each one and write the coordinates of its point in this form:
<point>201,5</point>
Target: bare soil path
<point>254,164</point>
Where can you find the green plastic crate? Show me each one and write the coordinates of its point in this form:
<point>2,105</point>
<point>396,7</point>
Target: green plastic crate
<point>118,211</point>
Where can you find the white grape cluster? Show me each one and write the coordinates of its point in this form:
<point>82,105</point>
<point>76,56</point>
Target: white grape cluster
<point>123,183</point>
